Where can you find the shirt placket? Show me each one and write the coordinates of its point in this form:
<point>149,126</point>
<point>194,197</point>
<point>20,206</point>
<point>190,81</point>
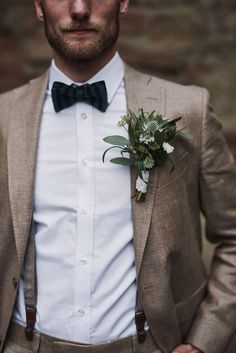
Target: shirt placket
<point>85,216</point>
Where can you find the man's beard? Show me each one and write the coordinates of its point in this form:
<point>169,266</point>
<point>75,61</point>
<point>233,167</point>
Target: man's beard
<point>103,41</point>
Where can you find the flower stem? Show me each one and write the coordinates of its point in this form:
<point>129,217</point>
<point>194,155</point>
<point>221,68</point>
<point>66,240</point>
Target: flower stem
<point>140,196</point>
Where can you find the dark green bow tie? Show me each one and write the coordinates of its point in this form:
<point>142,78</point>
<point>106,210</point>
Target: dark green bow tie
<point>95,94</point>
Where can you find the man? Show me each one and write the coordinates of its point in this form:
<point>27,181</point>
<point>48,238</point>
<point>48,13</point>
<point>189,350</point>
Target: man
<point>95,245</point>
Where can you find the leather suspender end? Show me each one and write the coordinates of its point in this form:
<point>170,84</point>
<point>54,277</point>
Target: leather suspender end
<point>140,322</point>
<point>30,322</point>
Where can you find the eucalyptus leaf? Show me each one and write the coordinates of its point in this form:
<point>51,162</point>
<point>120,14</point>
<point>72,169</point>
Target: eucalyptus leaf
<point>122,161</point>
<point>104,154</point>
<point>116,140</point>
<point>128,150</point>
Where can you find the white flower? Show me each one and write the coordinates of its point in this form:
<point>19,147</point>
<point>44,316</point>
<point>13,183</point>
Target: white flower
<point>146,139</point>
<point>121,123</point>
<point>167,147</point>
<point>141,184</point>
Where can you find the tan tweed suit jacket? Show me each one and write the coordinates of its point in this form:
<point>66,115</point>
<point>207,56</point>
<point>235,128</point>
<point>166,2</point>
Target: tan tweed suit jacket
<point>180,303</point>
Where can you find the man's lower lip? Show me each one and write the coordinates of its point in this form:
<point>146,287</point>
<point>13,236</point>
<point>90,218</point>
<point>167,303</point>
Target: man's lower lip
<point>81,31</point>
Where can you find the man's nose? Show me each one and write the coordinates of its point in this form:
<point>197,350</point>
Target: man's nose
<point>80,9</point>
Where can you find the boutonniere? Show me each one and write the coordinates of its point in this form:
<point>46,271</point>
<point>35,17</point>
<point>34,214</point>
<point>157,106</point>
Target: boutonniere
<point>149,144</point>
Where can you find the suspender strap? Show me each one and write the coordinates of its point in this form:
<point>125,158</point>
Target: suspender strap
<point>30,293</point>
<point>140,320</point>
<point>30,283</point>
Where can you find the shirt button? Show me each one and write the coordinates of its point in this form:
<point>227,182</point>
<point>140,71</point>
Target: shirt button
<point>85,162</point>
<point>81,312</point>
<point>85,210</point>
<point>84,116</point>
<point>83,261</point>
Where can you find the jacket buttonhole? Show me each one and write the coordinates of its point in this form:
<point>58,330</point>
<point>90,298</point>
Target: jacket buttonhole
<point>14,282</point>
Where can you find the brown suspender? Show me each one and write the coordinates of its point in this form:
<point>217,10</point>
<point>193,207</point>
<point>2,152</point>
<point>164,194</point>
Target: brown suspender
<point>30,293</point>
<point>30,284</point>
<point>140,320</point>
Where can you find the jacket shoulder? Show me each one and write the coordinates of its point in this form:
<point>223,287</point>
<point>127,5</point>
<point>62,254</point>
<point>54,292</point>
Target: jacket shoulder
<point>6,98</point>
<point>14,99</point>
<point>20,91</point>
<point>171,88</point>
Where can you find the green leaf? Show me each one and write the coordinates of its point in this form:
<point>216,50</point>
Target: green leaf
<point>127,150</point>
<point>133,121</point>
<point>159,137</point>
<point>104,154</point>
<point>116,140</point>
<point>122,161</point>
<point>139,166</point>
<point>170,133</point>
<point>176,120</point>
<point>154,146</point>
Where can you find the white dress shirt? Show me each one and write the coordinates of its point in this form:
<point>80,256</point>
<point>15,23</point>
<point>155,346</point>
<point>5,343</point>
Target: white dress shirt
<point>82,210</point>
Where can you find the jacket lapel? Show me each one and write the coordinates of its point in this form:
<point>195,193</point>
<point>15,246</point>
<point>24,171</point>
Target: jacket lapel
<point>141,93</point>
<point>22,148</point>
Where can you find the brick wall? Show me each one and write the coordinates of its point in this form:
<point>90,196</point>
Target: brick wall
<point>187,41</point>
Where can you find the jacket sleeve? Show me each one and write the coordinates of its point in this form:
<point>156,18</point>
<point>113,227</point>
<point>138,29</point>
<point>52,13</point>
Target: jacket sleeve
<point>215,322</point>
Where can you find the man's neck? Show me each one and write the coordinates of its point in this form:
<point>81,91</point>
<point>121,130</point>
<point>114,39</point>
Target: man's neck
<point>82,71</point>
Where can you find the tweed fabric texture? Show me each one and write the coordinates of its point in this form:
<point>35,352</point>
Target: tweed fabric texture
<point>180,302</point>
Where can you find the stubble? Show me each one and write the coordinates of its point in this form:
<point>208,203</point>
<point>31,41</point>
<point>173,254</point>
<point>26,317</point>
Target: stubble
<point>81,50</point>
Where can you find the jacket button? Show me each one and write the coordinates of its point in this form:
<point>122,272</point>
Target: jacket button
<point>14,282</point>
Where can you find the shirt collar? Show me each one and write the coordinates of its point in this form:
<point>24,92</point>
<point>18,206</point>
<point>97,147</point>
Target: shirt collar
<point>112,74</point>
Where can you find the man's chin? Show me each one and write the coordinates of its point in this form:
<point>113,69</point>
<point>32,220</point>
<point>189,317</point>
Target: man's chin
<point>80,53</point>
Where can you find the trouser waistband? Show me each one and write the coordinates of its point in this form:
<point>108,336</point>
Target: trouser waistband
<point>43,343</point>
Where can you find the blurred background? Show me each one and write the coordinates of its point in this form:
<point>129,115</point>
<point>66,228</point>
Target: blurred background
<point>186,41</point>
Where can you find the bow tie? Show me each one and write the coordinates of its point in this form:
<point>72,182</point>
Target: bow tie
<point>95,94</point>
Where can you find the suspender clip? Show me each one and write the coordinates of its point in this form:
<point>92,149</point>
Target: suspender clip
<point>30,322</point>
<point>140,322</point>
